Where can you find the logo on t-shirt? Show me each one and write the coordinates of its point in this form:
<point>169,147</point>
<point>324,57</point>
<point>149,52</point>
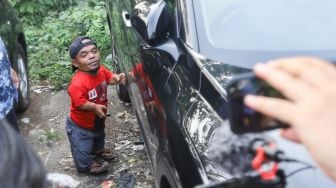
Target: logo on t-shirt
<point>92,94</point>
<point>98,94</point>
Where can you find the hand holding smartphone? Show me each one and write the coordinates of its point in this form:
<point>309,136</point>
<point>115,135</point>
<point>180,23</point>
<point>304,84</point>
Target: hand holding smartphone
<point>242,118</point>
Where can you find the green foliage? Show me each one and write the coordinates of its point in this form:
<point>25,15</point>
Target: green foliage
<point>39,8</point>
<point>48,41</point>
<point>52,135</point>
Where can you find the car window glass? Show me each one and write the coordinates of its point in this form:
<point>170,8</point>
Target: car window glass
<point>270,24</point>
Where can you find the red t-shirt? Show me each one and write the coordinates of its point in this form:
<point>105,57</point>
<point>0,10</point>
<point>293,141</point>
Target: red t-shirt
<point>85,87</point>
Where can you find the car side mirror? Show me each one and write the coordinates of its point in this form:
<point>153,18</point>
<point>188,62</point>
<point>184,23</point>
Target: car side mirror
<point>151,21</point>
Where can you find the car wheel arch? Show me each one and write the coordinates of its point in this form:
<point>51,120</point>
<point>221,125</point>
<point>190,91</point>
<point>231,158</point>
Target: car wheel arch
<point>164,175</point>
<point>21,39</point>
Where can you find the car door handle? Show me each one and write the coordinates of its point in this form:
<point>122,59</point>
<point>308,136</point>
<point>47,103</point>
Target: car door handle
<point>126,18</point>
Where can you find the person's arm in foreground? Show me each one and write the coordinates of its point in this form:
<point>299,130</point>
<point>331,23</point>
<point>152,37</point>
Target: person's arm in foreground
<point>309,85</point>
<point>15,78</point>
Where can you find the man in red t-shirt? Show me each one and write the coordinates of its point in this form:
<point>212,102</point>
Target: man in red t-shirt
<point>88,94</point>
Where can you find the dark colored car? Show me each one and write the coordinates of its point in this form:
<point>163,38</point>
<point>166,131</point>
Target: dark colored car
<point>11,31</point>
<point>180,54</point>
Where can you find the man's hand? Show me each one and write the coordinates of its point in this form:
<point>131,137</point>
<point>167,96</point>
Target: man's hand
<point>118,79</point>
<point>122,78</point>
<point>15,78</point>
<point>310,105</point>
<point>291,134</point>
<point>100,110</point>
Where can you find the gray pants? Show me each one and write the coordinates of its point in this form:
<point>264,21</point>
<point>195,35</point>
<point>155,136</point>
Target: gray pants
<point>83,144</point>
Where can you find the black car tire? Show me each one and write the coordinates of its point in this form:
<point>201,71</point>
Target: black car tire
<point>122,93</point>
<point>22,71</point>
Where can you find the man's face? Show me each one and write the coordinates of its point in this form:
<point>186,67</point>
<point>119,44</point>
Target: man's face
<point>87,59</point>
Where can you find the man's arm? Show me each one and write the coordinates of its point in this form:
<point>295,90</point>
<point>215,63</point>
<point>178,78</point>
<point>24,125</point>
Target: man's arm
<point>118,79</point>
<point>98,109</point>
<point>15,78</point>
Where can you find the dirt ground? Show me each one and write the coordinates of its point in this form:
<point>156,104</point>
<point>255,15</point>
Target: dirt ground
<point>43,126</point>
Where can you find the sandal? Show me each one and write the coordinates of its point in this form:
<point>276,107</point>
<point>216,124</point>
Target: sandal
<point>105,154</point>
<point>98,168</point>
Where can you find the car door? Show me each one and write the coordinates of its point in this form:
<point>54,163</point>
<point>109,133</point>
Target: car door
<point>150,76</point>
<point>11,30</point>
<point>126,50</point>
<point>7,24</point>
<point>175,81</point>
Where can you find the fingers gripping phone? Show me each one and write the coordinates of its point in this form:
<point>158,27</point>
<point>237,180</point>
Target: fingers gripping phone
<point>242,118</point>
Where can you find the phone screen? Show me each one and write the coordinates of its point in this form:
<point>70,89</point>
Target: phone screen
<point>242,118</point>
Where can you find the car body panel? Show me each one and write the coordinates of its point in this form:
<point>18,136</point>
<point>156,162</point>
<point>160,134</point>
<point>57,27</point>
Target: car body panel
<point>11,30</point>
<point>178,94</point>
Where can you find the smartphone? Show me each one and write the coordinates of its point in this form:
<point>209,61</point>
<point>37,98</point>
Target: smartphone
<point>242,118</point>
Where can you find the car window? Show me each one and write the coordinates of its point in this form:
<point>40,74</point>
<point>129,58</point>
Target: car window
<point>270,24</point>
<point>244,32</point>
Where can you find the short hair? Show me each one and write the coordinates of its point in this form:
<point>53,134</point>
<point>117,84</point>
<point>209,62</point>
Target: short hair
<point>19,164</point>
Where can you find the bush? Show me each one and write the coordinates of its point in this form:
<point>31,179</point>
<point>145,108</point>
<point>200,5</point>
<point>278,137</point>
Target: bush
<point>38,9</point>
<point>49,41</point>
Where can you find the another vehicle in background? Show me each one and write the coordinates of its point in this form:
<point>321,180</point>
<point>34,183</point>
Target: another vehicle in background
<point>11,31</point>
